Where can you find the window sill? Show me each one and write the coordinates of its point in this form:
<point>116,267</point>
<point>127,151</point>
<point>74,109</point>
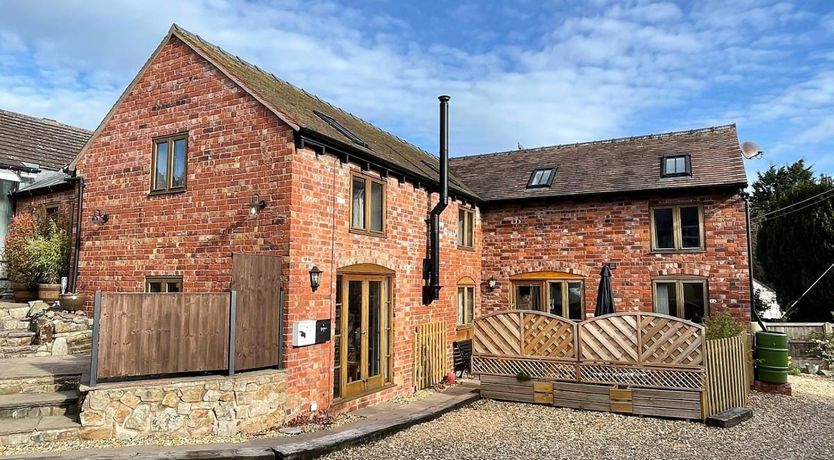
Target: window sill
<point>679,251</point>
<point>339,401</point>
<point>461,327</point>
<point>466,248</point>
<point>167,192</point>
<point>357,231</point>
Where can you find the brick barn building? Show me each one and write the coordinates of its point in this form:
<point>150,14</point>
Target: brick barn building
<point>205,156</point>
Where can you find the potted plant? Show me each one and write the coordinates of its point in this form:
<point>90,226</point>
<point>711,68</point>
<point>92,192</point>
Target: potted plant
<point>49,254</point>
<point>19,268</point>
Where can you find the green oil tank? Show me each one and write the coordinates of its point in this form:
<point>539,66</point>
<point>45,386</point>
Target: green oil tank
<point>772,357</point>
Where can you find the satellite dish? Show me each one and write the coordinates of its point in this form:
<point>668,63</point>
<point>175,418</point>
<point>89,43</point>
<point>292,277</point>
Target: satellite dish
<point>750,150</point>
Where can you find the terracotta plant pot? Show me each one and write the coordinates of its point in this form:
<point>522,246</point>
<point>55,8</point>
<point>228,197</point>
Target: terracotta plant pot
<point>73,302</point>
<point>49,292</point>
<point>22,292</point>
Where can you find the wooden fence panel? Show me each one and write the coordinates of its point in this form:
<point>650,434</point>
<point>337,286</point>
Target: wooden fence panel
<point>610,338</point>
<point>727,379</point>
<point>548,336</point>
<point>665,340</point>
<point>430,355</point>
<point>149,334</point>
<point>498,334</point>
<point>257,281</point>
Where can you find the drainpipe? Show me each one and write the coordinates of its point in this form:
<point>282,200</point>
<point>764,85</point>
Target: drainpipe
<point>79,190</point>
<point>753,312</point>
<point>431,291</point>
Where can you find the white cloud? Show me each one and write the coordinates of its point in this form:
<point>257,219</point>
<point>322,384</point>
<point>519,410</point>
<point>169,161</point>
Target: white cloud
<point>555,76</point>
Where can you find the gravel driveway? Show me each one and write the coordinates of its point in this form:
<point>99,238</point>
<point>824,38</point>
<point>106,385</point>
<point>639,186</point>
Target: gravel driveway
<point>782,427</point>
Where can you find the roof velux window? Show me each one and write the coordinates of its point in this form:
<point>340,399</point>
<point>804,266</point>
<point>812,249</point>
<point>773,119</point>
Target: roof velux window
<point>541,178</point>
<point>675,165</point>
<point>342,130</point>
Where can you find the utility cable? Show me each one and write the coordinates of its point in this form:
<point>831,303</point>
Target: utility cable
<point>807,290</point>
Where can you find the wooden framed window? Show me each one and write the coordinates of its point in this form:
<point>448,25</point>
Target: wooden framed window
<point>367,205</point>
<point>562,296</point>
<point>685,298</point>
<point>675,166</point>
<point>163,284</point>
<point>168,168</point>
<point>677,228</point>
<point>466,305</point>
<point>52,212</point>
<point>466,228</point>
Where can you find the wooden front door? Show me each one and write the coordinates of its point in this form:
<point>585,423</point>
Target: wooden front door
<point>363,340</point>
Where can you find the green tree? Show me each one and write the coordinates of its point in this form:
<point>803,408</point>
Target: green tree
<point>796,245</point>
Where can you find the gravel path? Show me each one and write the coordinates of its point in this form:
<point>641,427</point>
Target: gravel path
<point>798,427</point>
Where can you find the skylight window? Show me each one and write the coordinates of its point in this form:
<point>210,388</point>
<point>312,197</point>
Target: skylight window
<point>675,165</point>
<point>341,129</point>
<point>541,178</point>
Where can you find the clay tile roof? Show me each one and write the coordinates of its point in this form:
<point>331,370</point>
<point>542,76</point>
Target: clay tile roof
<point>609,166</point>
<point>300,108</point>
<point>38,141</point>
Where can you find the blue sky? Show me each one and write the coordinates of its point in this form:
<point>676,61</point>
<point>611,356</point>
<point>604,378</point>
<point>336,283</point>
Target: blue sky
<point>529,72</point>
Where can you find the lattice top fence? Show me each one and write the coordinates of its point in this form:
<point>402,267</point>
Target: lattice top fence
<point>629,348</point>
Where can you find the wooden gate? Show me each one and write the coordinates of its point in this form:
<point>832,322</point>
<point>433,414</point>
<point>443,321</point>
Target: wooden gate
<point>257,282</point>
<point>430,357</point>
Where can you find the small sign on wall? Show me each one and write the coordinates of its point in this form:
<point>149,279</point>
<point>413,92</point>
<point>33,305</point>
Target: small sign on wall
<point>322,330</point>
<point>303,332</point>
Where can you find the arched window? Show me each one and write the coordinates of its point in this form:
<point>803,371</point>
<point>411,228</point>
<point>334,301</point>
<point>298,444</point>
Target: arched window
<point>465,308</point>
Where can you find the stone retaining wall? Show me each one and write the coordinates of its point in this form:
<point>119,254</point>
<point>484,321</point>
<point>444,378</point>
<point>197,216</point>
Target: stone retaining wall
<point>191,406</point>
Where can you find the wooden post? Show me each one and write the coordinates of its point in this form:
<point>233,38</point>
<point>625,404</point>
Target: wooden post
<point>280,362</point>
<point>96,326</point>
<point>232,326</point>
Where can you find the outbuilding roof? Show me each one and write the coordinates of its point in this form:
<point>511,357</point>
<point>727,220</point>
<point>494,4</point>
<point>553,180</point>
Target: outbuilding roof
<point>27,142</point>
<point>608,166</point>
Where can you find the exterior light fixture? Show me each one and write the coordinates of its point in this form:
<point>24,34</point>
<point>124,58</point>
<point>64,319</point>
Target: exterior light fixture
<point>315,278</point>
<point>256,204</point>
<point>492,283</point>
<point>99,217</point>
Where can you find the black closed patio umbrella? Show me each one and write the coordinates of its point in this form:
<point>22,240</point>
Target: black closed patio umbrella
<point>605,295</point>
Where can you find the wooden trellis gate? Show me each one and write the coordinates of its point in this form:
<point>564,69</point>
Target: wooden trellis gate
<point>633,362</point>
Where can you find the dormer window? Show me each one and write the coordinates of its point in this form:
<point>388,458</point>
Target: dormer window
<point>675,166</point>
<point>541,178</point>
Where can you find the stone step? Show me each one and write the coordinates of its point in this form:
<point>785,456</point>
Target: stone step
<point>23,351</point>
<point>37,430</point>
<point>13,325</point>
<point>42,375</point>
<point>16,338</point>
<point>13,311</point>
<point>19,406</point>
<point>38,384</point>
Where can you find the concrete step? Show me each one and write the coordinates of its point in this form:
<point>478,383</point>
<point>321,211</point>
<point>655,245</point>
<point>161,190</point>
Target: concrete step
<point>16,338</point>
<point>19,406</point>
<point>37,430</point>
<point>38,384</point>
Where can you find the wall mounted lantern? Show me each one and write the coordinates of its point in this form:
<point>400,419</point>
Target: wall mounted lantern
<point>99,217</point>
<point>315,278</point>
<point>256,204</point>
<point>492,283</point>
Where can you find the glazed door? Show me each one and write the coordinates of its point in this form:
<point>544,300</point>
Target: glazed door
<point>364,344</point>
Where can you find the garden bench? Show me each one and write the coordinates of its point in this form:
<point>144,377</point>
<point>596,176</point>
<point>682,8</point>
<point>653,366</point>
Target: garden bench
<point>462,353</point>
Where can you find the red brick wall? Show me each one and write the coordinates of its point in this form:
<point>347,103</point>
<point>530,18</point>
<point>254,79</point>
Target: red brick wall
<point>65,199</point>
<point>236,148</point>
<point>579,236</point>
<point>320,236</point>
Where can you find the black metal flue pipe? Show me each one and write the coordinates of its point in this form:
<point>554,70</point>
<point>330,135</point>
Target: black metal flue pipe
<point>431,292</point>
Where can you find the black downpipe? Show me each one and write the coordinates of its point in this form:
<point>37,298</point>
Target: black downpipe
<point>431,292</point>
<point>753,311</point>
<point>79,180</point>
